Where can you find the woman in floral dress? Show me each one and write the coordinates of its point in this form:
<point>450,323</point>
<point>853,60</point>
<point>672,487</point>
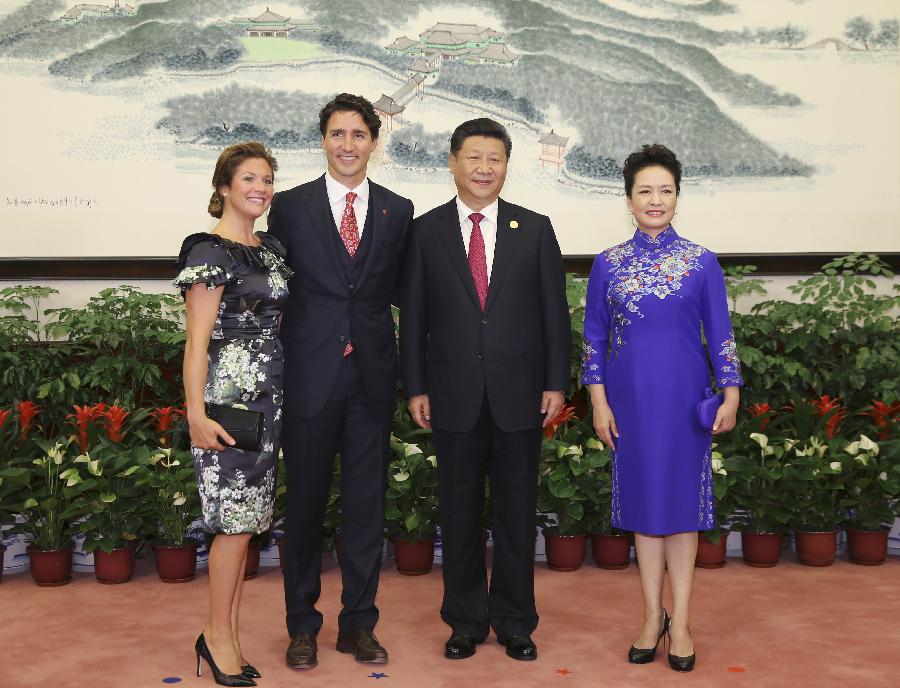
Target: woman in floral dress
<point>235,285</point>
<point>647,368</point>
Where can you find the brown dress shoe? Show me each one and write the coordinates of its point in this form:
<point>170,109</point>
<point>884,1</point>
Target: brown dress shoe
<point>301,653</point>
<point>363,645</point>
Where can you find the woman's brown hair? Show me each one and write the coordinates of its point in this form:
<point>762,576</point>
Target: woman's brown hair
<point>227,164</point>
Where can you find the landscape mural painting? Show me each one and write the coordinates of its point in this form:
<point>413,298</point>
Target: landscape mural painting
<point>784,112</point>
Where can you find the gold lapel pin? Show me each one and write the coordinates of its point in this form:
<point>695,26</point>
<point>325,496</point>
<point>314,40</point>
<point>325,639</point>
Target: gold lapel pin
<point>513,224</point>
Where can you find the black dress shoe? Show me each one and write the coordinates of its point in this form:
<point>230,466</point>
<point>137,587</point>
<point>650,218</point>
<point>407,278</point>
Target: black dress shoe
<point>363,645</point>
<point>302,652</point>
<point>645,655</point>
<point>250,671</point>
<point>459,647</point>
<point>519,647</point>
<point>682,664</point>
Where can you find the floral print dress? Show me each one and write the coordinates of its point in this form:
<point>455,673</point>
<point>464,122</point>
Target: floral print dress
<point>237,488</point>
<point>646,301</point>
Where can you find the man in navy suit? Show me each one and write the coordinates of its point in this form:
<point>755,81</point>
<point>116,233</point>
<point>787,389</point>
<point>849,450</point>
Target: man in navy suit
<point>346,238</point>
<point>485,345</point>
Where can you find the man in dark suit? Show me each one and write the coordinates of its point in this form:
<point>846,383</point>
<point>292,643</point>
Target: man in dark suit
<point>346,238</point>
<point>484,343</point>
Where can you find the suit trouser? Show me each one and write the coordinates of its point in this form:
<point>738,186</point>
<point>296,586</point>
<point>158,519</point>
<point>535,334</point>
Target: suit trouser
<point>511,460</point>
<point>359,428</point>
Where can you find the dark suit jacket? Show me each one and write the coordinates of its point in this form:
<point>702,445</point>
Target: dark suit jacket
<point>517,348</point>
<point>325,307</point>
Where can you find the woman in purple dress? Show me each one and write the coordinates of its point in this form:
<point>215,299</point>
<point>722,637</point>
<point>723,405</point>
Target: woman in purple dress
<point>647,368</point>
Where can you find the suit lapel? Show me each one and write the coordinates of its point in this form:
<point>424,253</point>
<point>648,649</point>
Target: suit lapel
<point>451,238</point>
<point>322,222</point>
<point>376,223</point>
<point>504,249</point>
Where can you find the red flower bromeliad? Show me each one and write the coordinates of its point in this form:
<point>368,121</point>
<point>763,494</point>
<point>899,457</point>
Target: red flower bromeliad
<point>883,417</point>
<point>165,418</point>
<point>565,413</point>
<point>27,412</point>
<point>760,409</point>
<point>113,420</point>
<point>80,420</point>
<point>825,405</point>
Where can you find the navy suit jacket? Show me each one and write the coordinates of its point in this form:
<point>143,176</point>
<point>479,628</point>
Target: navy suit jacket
<point>514,350</point>
<point>325,306</point>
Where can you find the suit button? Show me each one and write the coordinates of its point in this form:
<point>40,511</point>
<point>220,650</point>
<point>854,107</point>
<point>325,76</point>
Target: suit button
<point>343,338</point>
<point>480,355</point>
<point>484,321</point>
<point>351,285</point>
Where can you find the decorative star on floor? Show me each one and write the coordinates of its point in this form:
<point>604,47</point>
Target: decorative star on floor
<point>564,672</point>
<point>376,674</point>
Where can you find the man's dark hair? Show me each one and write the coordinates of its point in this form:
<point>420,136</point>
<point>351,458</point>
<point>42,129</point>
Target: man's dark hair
<point>482,126</point>
<point>650,156</point>
<point>347,102</point>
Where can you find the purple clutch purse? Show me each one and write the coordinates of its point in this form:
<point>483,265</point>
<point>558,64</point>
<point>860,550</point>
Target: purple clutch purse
<point>707,408</point>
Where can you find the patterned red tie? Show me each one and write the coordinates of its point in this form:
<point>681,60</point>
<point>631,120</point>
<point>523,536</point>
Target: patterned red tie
<point>350,236</point>
<point>477,259</point>
<point>349,231</point>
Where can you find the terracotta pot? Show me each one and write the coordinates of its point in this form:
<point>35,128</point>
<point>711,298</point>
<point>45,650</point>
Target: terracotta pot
<point>816,548</point>
<point>565,552</point>
<point>114,567</point>
<point>413,558</point>
<point>280,544</point>
<point>176,564</point>
<point>865,547</point>
<point>252,567</point>
<point>711,555</point>
<point>761,550</point>
<point>611,551</point>
<point>50,567</point>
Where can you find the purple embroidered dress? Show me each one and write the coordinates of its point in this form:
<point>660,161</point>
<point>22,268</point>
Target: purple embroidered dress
<point>646,301</point>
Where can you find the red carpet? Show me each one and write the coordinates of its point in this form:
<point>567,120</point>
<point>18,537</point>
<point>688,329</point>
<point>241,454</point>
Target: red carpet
<point>788,626</point>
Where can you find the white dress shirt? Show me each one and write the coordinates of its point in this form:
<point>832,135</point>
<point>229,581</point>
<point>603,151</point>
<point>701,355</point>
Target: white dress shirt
<point>488,230</point>
<point>337,199</point>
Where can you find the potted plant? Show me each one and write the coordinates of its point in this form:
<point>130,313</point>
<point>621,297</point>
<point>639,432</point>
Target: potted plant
<point>169,486</point>
<point>817,497</point>
<point>562,494</point>
<point>52,503</point>
<point>762,513</point>
<point>411,509</point>
<point>610,547</point>
<point>874,496</point>
<point>117,512</point>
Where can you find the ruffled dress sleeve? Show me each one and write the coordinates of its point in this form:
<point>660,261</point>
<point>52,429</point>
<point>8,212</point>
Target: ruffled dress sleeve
<point>203,259</point>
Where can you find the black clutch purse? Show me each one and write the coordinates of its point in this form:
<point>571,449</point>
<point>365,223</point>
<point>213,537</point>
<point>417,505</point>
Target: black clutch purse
<point>244,425</point>
<point>707,409</point>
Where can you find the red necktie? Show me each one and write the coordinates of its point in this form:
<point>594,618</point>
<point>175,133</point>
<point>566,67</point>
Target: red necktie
<point>350,236</point>
<point>349,231</point>
<point>477,259</point>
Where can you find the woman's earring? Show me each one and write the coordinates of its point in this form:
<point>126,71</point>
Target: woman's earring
<point>633,221</point>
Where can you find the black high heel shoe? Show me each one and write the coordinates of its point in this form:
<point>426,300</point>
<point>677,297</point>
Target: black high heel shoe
<point>645,655</point>
<point>223,679</point>
<point>682,664</point>
<point>250,671</point>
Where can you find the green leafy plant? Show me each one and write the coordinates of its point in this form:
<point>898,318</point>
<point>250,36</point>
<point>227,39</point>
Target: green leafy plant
<point>126,336</point>
<point>118,516</point>
<point>567,481</point>
<point>759,496</point>
<point>816,484</point>
<point>411,509</point>
<point>873,475</point>
<point>169,486</point>
<point>52,492</point>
